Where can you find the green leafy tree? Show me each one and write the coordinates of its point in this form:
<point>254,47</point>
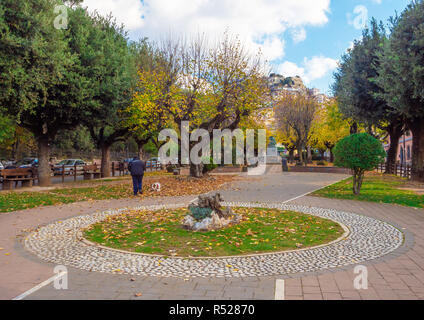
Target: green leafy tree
<point>109,66</point>
<point>358,93</point>
<point>360,152</point>
<point>7,130</point>
<point>39,81</point>
<point>401,75</point>
<point>77,141</point>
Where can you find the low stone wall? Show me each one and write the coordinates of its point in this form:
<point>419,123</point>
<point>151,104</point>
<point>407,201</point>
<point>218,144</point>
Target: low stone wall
<point>228,170</point>
<point>320,169</point>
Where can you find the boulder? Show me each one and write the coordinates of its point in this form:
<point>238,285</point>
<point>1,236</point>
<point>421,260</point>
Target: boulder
<point>206,214</point>
<point>189,222</point>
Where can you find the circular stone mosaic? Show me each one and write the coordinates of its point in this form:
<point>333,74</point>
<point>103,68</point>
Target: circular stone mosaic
<point>61,243</point>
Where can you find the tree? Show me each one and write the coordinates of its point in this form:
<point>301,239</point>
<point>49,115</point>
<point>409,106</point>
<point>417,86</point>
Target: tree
<point>401,75</point>
<point>286,136</point>
<point>295,114</point>
<point>7,130</point>
<point>146,114</point>
<point>110,65</point>
<point>329,127</point>
<point>358,93</point>
<point>360,152</point>
<point>210,86</point>
<point>39,80</point>
<point>77,141</point>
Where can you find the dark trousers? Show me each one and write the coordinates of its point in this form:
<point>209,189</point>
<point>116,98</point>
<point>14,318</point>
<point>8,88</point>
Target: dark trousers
<point>137,184</point>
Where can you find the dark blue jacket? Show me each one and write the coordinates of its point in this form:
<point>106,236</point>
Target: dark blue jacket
<point>137,167</point>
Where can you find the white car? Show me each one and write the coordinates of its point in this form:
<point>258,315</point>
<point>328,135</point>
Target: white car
<point>1,166</point>
<point>69,166</point>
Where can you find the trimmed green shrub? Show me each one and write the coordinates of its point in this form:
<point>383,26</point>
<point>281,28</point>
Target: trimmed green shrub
<point>360,152</point>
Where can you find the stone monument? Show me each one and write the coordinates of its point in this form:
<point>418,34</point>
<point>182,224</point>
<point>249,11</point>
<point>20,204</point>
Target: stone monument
<point>206,214</point>
<point>272,156</point>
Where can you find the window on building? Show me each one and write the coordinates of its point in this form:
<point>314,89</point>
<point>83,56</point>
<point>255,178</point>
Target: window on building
<point>408,153</point>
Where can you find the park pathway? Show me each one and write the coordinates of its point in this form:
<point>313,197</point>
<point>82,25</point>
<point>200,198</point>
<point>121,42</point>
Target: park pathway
<point>399,275</point>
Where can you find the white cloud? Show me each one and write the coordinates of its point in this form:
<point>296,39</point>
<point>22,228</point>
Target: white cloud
<point>259,23</point>
<point>128,12</point>
<point>311,69</point>
<point>299,35</point>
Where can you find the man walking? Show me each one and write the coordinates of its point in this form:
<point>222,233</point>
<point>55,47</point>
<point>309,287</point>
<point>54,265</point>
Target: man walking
<point>137,168</point>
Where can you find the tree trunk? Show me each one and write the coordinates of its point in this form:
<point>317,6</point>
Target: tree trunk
<point>309,155</point>
<point>15,147</point>
<point>395,132</point>
<point>417,129</point>
<point>196,170</point>
<point>44,170</point>
<point>140,150</point>
<point>105,166</point>
<point>354,128</point>
<point>355,181</point>
<point>331,155</point>
<point>300,153</point>
<point>291,156</point>
<point>358,178</point>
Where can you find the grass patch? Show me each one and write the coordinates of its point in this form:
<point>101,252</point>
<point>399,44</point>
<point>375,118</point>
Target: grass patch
<point>170,186</point>
<point>261,230</point>
<point>376,188</point>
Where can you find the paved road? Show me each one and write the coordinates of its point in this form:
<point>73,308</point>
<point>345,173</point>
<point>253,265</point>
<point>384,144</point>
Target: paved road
<point>397,276</point>
<point>278,187</point>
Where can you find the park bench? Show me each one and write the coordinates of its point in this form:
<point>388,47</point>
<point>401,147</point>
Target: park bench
<point>10,176</point>
<point>92,172</point>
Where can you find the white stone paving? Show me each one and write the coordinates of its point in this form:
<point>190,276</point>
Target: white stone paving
<point>369,239</point>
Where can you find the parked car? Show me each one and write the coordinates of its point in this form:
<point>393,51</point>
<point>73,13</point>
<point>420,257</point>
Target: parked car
<point>1,166</point>
<point>69,166</point>
<point>24,163</point>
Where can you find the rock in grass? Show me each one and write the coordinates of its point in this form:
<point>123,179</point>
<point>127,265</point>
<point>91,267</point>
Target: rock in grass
<point>206,214</point>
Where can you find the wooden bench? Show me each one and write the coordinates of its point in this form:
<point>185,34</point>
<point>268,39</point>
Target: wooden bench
<point>10,176</point>
<point>91,172</point>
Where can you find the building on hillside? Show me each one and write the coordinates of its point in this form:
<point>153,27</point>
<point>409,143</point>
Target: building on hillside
<point>279,85</point>
<point>404,153</point>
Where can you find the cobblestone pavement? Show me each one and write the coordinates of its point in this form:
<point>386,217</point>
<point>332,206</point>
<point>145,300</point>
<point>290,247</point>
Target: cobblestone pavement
<point>399,275</point>
<point>364,239</point>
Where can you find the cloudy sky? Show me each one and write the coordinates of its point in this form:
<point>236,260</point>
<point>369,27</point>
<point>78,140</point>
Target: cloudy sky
<point>297,37</point>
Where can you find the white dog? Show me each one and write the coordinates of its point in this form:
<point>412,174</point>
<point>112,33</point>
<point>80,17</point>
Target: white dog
<point>156,187</point>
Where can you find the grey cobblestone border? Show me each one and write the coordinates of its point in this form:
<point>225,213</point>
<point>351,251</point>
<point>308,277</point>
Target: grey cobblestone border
<point>369,239</point>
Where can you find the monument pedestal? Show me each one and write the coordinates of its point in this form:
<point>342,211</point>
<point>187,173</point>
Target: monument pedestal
<point>272,156</point>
